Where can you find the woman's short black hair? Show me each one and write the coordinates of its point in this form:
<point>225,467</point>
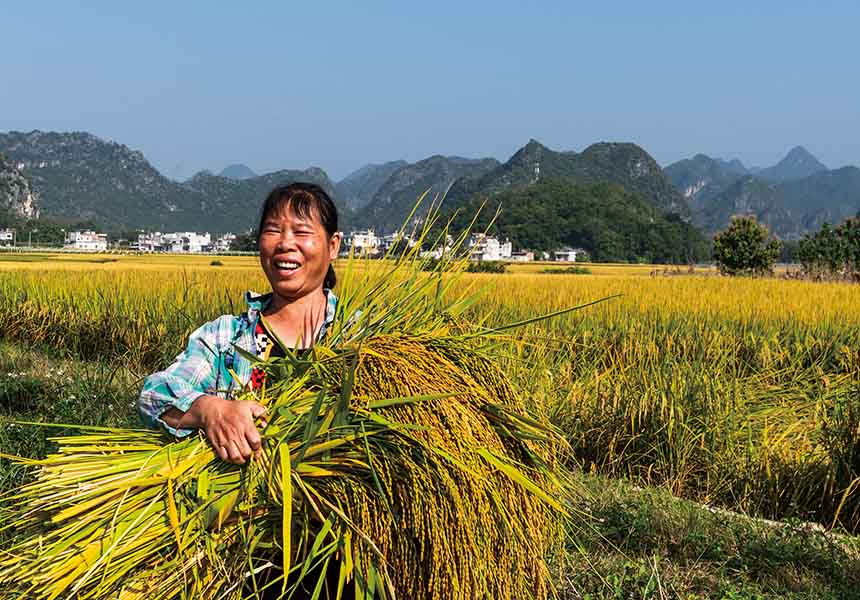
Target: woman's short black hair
<point>305,200</point>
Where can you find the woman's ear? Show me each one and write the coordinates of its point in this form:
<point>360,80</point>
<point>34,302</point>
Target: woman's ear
<point>334,245</point>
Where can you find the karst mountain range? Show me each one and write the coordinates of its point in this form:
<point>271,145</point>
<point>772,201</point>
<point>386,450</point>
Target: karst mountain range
<point>79,177</point>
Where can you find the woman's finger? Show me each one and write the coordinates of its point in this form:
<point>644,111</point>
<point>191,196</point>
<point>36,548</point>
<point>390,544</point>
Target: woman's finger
<point>221,451</point>
<point>234,454</point>
<point>244,448</point>
<point>252,436</point>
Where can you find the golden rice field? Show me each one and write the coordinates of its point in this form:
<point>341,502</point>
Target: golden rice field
<point>739,393</point>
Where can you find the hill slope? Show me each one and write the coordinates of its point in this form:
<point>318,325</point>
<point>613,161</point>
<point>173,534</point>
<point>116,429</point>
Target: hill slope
<point>81,177</point>
<point>611,223</point>
<point>624,164</point>
<point>396,198</point>
<point>797,164</point>
<point>701,178</point>
<point>789,209</point>
<point>357,189</point>
<point>229,202</point>
<point>237,171</point>
<point>16,196</point>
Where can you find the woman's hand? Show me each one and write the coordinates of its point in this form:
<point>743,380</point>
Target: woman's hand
<point>229,425</point>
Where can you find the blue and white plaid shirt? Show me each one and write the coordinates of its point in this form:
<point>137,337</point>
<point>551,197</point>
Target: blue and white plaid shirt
<point>210,363</point>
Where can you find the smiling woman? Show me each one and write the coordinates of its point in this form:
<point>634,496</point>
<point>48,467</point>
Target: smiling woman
<point>298,241</point>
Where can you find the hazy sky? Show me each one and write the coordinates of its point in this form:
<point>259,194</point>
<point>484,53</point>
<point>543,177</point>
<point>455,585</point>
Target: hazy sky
<point>197,85</point>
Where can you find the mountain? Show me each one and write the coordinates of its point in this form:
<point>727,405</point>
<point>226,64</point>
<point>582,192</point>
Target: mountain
<point>829,196</point>
<point>610,222</point>
<point>16,196</point>
<point>701,178</point>
<point>394,200</point>
<point>788,209</point>
<point>794,196</point>
<point>237,171</point>
<point>749,195</point>
<point>238,201</point>
<point>81,177</point>
<point>797,164</point>
<point>733,166</point>
<point>357,189</point>
<point>624,164</point>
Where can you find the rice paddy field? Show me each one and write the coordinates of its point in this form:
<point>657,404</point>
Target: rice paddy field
<point>712,425</point>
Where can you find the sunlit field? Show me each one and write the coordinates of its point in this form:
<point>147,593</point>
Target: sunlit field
<point>742,394</point>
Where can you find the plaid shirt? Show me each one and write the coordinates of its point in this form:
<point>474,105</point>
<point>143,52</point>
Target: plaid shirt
<point>210,363</point>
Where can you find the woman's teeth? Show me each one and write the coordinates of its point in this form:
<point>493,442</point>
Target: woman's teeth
<point>288,266</point>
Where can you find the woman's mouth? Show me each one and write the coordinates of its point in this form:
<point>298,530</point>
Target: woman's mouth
<point>286,265</point>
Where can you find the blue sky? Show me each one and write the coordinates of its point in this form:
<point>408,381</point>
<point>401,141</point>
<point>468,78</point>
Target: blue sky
<point>198,85</point>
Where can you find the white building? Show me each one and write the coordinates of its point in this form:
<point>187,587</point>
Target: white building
<point>363,241</point>
<point>567,254</point>
<point>225,242</point>
<point>485,247</point>
<point>149,242</point>
<point>7,237</point>
<point>180,242</point>
<point>392,239</point>
<point>86,240</point>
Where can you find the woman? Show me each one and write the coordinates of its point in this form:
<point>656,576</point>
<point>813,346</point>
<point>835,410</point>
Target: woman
<point>298,240</point>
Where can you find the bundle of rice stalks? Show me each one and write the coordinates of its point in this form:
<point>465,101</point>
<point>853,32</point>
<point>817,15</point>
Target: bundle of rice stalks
<point>396,456</point>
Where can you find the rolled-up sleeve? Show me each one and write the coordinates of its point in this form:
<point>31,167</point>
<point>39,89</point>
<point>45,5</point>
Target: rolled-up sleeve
<point>192,374</point>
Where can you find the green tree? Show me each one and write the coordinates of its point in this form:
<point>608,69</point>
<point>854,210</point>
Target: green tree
<point>832,251</point>
<point>744,248</point>
<point>822,252</point>
<point>849,232</point>
<point>244,242</point>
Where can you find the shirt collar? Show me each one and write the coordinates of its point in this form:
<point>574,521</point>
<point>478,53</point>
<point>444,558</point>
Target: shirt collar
<point>258,302</point>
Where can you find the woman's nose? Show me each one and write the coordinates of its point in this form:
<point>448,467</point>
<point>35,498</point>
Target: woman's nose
<point>287,241</point>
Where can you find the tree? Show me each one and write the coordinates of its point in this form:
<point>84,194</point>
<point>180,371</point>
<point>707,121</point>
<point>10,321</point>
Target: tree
<point>244,242</point>
<point>832,252</point>
<point>744,248</point>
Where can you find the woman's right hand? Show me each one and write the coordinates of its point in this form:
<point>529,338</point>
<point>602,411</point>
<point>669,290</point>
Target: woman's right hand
<point>229,425</point>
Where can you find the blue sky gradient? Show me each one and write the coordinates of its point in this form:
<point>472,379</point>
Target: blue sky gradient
<point>197,85</point>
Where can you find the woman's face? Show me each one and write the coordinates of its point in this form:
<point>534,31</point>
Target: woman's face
<point>295,253</point>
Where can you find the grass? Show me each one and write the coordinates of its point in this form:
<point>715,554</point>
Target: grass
<point>645,543</point>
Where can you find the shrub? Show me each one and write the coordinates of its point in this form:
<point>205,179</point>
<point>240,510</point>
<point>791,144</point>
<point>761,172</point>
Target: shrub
<point>567,271</point>
<point>744,248</point>
<point>486,266</point>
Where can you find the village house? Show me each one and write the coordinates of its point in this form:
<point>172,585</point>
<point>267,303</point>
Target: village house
<point>393,239</point>
<point>225,242</point>
<point>90,241</point>
<point>363,241</point>
<point>567,254</point>
<point>7,237</point>
<point>522,256</point>
<point>485,247</point>
<point>188,242</point>
<point>438,252</point>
